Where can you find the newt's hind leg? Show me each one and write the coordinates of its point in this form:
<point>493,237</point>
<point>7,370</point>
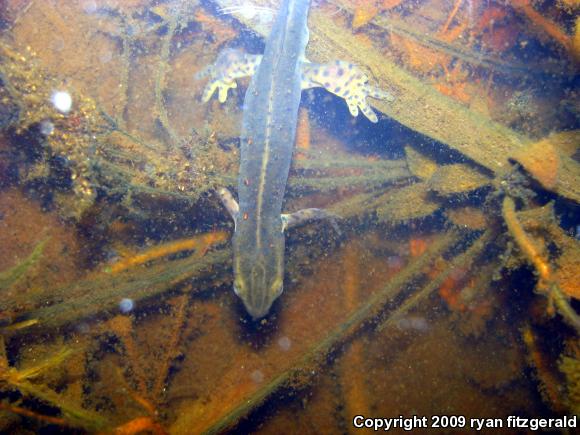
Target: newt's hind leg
<point>307,215</point>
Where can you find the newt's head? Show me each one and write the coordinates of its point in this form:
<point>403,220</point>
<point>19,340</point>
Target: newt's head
<point>259,274</point>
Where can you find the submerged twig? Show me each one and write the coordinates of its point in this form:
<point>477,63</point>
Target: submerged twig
<point>31,414</point>
<point>200,243</point>
<point>546,283</point>
<point>463,260</point>
<point>104,292</point>
<point>180,310</point>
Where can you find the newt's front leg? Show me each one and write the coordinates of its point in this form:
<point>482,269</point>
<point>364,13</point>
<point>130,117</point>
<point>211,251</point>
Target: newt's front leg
<point>347,81</point>
<point>339,77</point>
<point>231,64</point>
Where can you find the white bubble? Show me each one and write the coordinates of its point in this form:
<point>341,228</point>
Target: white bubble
<point>126,305</point>
<point>257,376</point>
<point>285,343</point>
<point>62,101</point>
<point>413,323</point>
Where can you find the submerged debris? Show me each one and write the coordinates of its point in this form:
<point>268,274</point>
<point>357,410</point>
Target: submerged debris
<point>11,276</point>
<point>570,366</point>
<point>535,255</point>
<point>407,203</point>
<point>468,217</point>
<point>458,178</point>
<point>542,161</point>
<point>113,144</point>
<point>420,165</point>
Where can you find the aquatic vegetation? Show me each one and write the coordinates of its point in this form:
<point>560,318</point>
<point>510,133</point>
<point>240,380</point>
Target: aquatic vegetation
<point>199,243</point>
<point>550,385</point>
<point>22,381</point>
<point>410,202</point>
<point>569,366</point>
<point>453,179</point>
<point>544,25</point>
<point>532,252</point>
<point>11,276</point>
<point>542,161</point>
<point>420,166</point>
<point>438,226</point>
<point>470,217</point>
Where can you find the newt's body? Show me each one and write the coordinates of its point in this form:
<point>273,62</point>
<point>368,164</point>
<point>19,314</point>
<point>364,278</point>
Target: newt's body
<point>267,141</point>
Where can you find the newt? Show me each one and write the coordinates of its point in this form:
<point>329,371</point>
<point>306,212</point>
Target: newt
<point>270,114</point>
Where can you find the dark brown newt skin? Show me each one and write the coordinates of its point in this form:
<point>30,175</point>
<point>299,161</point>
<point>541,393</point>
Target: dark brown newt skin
<point>267,141</point>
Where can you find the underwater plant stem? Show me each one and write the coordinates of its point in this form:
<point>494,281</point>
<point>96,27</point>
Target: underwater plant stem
<point>20,380</point>
<point>390,23</point>
<point>543,24</point>
<point>36,370</point>
<point>160,82</point>
<point>200,243</point>
<point>31,414</point>
<point>463,260</point>
<point>528,247</point>
<point>541,265</point>
<point>451,16</point>
<point>12,275</point>
<point>103,292</point>
<point>368,311</point>
<point>563,306</point>
<point>140,425</point>
<point>74,415</point>
<point>180,305</point>
<point>550,385</point>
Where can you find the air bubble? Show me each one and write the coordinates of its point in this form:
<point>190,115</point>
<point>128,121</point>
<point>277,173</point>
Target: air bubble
<point>285,343</point>
<point>257,376</point>
<point>126,305</point>
<point>62,101</point>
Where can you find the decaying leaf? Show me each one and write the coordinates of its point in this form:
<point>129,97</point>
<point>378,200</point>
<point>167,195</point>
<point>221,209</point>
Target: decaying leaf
<point>542,161</point>
<point>411,202</point>
<point>467,217</point>
<point>457,178</point>
<point>420,165</point>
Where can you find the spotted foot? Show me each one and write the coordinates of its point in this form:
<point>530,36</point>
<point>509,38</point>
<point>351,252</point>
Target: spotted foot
<point>231,64</point>
<point>347,81</point>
